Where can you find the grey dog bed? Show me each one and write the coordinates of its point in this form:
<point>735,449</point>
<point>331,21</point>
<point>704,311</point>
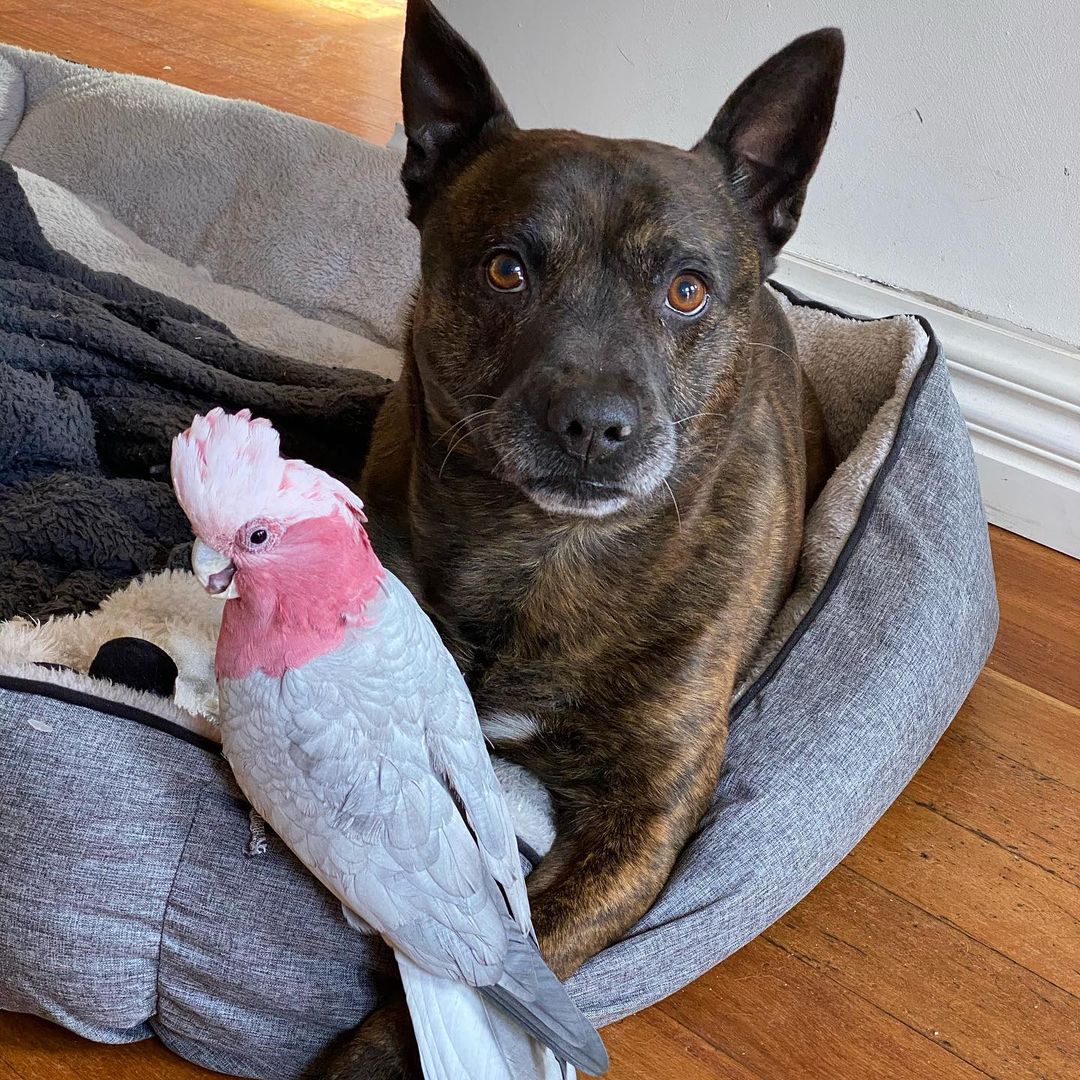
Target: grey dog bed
<point>135,896</point>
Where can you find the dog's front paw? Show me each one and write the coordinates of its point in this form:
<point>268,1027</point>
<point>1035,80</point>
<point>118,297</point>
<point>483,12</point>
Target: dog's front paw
<point>381,1048</point>
<point>563,949</point>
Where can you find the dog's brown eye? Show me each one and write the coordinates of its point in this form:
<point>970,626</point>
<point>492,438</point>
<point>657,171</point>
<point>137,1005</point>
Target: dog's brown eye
<point>505,272</point>
<point>687,294</point>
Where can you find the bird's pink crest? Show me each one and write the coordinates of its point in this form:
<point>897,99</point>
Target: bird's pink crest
<point>227,470</point>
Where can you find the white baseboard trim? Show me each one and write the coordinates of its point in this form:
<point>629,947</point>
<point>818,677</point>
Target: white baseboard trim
<point>1019,392</point>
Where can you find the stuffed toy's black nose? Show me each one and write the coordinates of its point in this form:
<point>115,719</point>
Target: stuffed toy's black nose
<point>136,663</point>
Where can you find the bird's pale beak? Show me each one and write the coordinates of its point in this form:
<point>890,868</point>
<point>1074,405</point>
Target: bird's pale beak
<point>214,571</point>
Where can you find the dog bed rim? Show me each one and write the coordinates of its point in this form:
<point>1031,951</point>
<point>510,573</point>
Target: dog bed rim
<point>926,365</point>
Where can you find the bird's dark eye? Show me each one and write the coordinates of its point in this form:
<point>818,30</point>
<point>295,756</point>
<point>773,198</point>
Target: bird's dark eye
<point>258,536</point>
<point>505,272</point>
<point>687,294</point>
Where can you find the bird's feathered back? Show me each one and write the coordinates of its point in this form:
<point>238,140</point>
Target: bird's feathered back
<point>227,469</point>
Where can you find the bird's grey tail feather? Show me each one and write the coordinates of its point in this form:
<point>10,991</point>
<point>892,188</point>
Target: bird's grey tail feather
<point>529,1058</point>
<point>462,1035</point>
<point>532,995</point>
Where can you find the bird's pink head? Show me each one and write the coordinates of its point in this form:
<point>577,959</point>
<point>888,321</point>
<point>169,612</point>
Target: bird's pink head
<point>232,481</point>
<point>280,536</point>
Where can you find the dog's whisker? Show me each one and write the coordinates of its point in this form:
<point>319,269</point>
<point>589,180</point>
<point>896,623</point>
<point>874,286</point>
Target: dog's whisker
<point>502,461</point>
<point>453,447</point>
<point>694,416</point>
<point>463,420</point>
<point>458,441</point>
<point>678,516</point>
<point>775,348</point>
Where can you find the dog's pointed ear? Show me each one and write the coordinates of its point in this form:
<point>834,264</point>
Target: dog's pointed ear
<point>449,103</point>
<point>771,131</point>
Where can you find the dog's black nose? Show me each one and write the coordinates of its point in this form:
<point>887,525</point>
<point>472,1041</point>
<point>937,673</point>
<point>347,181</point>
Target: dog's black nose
<point>592,425</point>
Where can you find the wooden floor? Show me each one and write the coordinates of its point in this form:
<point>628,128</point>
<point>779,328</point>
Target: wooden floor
<point>947,945</point>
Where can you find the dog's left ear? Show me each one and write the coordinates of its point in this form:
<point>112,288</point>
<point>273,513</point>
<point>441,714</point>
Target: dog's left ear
<point>449,104</point>
<point>771,131</point>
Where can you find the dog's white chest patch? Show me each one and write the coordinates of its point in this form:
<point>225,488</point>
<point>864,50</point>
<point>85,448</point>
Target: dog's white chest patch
<point>504,727</point>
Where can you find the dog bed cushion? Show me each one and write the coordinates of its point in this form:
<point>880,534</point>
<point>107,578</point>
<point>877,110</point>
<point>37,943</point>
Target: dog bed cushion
<point>138,896</point>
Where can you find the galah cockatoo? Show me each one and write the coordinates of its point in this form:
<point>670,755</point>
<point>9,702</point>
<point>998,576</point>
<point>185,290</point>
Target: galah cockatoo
<point>351,731</point>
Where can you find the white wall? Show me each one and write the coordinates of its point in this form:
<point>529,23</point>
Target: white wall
<point>954,164</point>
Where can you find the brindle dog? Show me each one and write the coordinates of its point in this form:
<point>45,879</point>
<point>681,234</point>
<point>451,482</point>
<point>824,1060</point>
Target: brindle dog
<point>595,467</point>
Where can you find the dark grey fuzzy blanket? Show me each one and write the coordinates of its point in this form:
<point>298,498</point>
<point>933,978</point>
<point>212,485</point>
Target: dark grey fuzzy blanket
<point>97,374</point>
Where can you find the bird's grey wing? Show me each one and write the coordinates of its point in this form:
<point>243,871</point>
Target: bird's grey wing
<point>336,761</point>
<point>460,754</point>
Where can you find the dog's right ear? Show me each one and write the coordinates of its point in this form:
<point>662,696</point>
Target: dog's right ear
<point>449,101</point>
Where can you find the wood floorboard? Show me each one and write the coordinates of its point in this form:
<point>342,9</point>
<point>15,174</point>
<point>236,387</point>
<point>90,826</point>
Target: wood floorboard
<point>1025,725</point>
<point>969,998</point>
<point>1039,643</point>
<point>947,945</point>
<point>783,1016</point>
<point>34,1049</point>
<point>7,1072</point>
<point>330,60</point>
<point>1008,805</point>
<point>986,892</point>
<point>654,1044</point>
